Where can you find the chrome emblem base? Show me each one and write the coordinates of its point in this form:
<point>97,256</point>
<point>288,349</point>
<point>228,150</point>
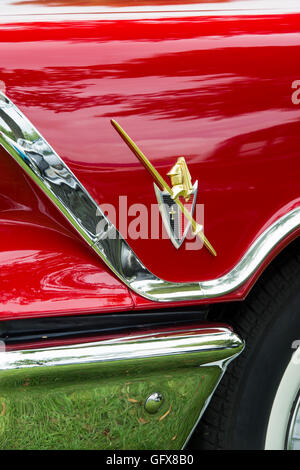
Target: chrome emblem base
<point>176,224</point>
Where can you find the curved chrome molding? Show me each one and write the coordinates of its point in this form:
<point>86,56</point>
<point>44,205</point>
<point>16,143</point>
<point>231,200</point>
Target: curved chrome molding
<point>106,385</point>
<point>24,143</point>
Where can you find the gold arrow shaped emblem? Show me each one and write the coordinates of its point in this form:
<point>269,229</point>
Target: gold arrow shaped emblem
<point>196,228</point>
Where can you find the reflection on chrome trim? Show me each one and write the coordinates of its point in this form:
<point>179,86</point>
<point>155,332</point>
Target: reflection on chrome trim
<point>105,384</point>
<point>215,340</point>
<point>24,143</point>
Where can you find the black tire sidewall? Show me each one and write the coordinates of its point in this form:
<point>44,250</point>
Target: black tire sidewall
<point>271,352</point>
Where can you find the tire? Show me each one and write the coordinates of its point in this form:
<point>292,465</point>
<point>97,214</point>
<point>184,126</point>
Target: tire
<point>240,414</point>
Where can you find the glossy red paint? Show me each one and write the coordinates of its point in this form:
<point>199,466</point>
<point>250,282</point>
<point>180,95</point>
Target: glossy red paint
<point>44,268</point>
<point>216,90</point>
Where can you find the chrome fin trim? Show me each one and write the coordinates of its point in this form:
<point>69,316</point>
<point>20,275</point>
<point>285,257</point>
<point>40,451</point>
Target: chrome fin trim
<point>105,384</point>
<point>30,150</point>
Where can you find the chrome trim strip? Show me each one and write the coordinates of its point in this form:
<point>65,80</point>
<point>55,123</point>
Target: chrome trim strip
<point>211,344</point>
<point>293,432</point>
<point>24,143</point>
<point>183,365</point>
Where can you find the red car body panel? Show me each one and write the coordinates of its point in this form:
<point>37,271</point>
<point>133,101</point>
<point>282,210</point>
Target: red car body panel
<point>214,89</point>
<point>45,268</point>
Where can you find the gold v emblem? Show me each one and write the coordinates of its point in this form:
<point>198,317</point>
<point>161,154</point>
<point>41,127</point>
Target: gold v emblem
<point>180,178</point>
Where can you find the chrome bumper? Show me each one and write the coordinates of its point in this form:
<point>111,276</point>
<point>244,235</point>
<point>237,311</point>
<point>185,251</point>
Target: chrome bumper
<point>141,391</point>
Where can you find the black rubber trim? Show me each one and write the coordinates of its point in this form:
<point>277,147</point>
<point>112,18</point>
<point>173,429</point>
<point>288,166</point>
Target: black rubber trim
<point>36,329</point>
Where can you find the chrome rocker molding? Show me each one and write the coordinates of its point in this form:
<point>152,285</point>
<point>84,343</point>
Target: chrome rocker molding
<point>108,384</point>
<point>24,143</point>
